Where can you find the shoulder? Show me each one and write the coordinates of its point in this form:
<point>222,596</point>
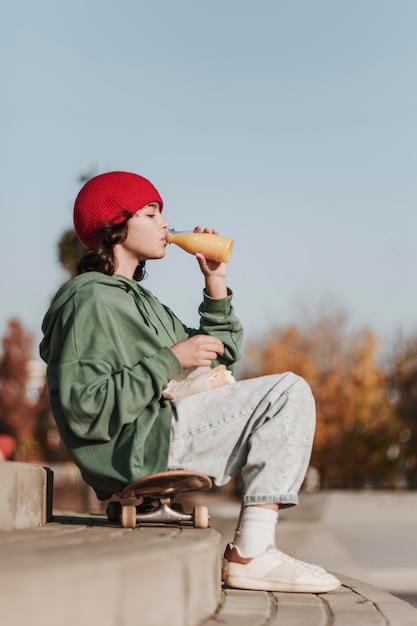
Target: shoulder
<point>93,287</point>
<point>97,297</point>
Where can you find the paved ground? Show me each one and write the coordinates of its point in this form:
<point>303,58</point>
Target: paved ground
<point>368,542</point>
<point>80,569</point>
<point>371,537</point>
<point>354,604</point>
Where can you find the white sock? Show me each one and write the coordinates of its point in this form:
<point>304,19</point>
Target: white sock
<point>256,530</point>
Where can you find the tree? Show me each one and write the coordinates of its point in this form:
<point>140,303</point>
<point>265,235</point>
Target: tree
<point>50,445</point>
<point>16,415</point>
<point>403,389</point>
<point>69,246</point>
<point>355,425</point>
<point>69,249</point>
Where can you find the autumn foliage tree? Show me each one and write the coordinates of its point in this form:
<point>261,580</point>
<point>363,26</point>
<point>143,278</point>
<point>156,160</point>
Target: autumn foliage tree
<point>355,424</point>
<point>16,415</point>
<point>403,389</point>
<point>49,442</point>
<point>26,417</point>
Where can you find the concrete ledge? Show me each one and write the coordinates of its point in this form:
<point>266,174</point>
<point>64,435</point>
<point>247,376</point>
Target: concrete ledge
<point>67,573</point>
<point>25,495</point>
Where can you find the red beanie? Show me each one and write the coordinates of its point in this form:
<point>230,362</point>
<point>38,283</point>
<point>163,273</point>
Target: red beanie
<point>106,197</point>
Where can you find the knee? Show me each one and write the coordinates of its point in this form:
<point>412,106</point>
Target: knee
<point>301,389</point>
<point>304,385</point>
<point>299,384</point>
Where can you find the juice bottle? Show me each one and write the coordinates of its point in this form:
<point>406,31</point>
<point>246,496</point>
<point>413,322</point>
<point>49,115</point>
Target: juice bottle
<point>213,247</point>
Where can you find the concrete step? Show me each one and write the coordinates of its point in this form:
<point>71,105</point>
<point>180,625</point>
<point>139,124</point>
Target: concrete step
<point>25,495</point>
<point>78,570</point>
<point>75,569</point>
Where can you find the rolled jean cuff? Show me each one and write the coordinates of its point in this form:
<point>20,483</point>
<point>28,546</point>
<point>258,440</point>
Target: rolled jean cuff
<point>284,501</point>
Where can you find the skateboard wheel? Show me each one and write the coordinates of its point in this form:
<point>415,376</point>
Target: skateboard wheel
<point>113,511</point>
<point>128,517</point>
<point>201,517</point>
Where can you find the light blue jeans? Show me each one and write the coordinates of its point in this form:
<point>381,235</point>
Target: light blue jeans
<point>261,426</point>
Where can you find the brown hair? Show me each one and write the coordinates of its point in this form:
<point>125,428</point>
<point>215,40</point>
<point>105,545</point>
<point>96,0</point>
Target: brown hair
<point>100,258</point>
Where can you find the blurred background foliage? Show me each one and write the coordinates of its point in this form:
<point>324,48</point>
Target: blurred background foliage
<point>366,432</point>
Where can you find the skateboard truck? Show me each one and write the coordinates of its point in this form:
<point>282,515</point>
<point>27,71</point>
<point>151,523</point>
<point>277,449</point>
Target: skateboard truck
<point>157,493</point>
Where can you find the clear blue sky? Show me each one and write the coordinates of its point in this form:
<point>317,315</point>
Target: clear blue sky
<point>290,126</point>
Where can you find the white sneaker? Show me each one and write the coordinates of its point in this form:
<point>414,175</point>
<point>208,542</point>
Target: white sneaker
<point>275,571</point>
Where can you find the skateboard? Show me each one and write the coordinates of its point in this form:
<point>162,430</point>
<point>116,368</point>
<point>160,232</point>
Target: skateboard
<point>156,494</point>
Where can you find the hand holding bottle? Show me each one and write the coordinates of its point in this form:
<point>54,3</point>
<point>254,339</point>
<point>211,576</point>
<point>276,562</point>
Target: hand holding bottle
<point>212,253</point>
<point>210,244</point>
<point>214,272</point>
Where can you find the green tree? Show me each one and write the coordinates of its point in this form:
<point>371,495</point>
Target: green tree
<point>69,246</point>
<point>69,249</point>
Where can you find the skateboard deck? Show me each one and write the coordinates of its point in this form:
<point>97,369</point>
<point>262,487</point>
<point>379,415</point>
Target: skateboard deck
<point>156,500</point>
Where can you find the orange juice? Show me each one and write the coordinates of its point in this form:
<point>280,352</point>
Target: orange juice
<point>213,247</point>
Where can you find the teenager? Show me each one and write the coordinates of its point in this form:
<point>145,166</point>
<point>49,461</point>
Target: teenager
<point>112,348</point>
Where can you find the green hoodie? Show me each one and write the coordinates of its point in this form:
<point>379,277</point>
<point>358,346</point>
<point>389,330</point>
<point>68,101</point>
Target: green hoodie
<point>106,342</point>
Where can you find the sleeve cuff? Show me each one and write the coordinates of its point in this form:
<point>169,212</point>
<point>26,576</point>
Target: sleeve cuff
<point>221,306</point>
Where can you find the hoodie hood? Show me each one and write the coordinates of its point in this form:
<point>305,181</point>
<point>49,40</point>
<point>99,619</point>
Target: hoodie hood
<point>64,295</point>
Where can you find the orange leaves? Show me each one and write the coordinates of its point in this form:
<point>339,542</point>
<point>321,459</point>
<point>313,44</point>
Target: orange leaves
<point>349,387</point>
<point>16,416</point>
